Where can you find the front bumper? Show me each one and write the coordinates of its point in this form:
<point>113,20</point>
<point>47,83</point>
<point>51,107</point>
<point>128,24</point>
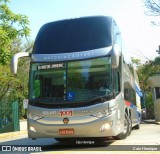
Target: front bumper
<point>98,127</point>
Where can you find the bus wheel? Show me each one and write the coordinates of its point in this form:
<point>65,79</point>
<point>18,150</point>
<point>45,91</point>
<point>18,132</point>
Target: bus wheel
<point>124,134</point>
<point>130,125</point>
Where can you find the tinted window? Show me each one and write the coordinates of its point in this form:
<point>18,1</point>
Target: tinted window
<point>70,82</point>
<point>129,93</point>
<point>74,35</point>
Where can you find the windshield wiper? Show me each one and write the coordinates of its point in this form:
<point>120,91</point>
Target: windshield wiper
<point>102,98</point>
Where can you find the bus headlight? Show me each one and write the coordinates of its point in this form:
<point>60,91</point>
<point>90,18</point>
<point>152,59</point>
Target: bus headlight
<point>34,117</point>
<point>32,129</point>
<point>106,126</point>
<point>104,113</point>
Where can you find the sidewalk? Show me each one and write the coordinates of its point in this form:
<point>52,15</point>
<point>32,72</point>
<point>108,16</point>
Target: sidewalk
<point>152,121</point>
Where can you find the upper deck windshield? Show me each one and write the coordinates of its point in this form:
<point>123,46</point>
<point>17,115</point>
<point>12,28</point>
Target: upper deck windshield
<point>74,35</point>
<point>70,81</point>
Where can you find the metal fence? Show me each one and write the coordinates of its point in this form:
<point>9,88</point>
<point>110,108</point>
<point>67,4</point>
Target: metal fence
<point>9,117</point>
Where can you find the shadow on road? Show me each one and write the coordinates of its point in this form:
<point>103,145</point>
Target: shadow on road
<point>48,144</point>
<point>149,122</point>
<point>80,145</point>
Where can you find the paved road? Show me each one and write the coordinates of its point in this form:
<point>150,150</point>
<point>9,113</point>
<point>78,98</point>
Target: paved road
<point>148,134</point>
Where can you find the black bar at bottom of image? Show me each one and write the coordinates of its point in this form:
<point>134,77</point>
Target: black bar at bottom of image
<point>37,148</point>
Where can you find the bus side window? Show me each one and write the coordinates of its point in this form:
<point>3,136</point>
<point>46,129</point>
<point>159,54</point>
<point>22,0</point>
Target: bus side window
<point>126,94</point>
<point>129,93</point>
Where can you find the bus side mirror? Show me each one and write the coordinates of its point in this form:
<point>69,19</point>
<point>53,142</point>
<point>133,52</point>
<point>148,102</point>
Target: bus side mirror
<point>115,56</point>
<point>14,61</point>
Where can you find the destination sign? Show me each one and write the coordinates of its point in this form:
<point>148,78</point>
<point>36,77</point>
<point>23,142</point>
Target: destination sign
<point>72,55</point>
<point>50,66</point>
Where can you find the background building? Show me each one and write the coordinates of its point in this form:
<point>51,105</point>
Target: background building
<point>154,83</point>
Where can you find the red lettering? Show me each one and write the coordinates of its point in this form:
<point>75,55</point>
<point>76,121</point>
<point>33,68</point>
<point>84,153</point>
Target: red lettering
<point>66,113</point>
<point>69,131</point>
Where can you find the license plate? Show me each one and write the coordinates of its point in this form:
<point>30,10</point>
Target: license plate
<point>69,131</point>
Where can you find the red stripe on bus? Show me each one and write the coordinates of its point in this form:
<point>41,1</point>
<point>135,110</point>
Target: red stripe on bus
<point>127,103</point>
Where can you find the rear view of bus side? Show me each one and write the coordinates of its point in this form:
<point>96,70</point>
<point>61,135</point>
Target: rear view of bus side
<point>81,84</point>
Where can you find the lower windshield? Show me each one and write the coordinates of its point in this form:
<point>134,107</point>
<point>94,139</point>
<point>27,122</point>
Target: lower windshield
<point>70,81</point>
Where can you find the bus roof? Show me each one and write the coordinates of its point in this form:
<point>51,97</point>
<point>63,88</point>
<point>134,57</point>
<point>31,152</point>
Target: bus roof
<point>74,35</point>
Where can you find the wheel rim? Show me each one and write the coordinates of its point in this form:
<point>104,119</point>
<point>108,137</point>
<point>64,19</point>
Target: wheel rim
<point>125,126</point>
<point>130,125</point>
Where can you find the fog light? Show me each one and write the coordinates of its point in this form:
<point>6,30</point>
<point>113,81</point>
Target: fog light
<point>32,129</point>
<point>106,126</point>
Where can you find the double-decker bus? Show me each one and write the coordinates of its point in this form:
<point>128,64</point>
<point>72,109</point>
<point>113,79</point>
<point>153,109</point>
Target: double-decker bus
<point>80,83</point>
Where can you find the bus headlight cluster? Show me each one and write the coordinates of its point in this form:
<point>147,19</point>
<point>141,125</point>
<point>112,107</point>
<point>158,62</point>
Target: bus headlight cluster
<point>33,116</point>
<point>101,114</point>
<point>104,113</point>
<point>106,126</point>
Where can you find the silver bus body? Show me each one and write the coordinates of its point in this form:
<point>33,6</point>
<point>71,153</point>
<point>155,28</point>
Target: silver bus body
<point>83,112</point>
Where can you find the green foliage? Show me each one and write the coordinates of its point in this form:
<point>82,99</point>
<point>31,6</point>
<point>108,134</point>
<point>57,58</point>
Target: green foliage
<point>14,87</point>
<point>147,70</point>
<point>149,100</point>
<point>157,61</point>
<point>7,81</point>
<point>12,27</point>
<point>135,61</point>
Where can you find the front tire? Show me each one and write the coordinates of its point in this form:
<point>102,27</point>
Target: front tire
<point>125,132</point>
<point>130,125</point>
<point>137,126</point>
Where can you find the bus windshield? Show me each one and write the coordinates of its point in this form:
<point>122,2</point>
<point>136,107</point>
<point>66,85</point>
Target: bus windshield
<point>70,81</point>
<point>75,35</point>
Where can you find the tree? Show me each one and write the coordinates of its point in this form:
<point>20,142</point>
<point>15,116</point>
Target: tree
<point>15,87</point>
<point>156,61</point>
<point>144,71</point>
<point>136,61</point>
<point>158,51</point>
<point>12,27</point>
<point>153,7</point>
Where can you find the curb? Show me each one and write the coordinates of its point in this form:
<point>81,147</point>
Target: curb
<point>13,135</point>
<point>151,122</point>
